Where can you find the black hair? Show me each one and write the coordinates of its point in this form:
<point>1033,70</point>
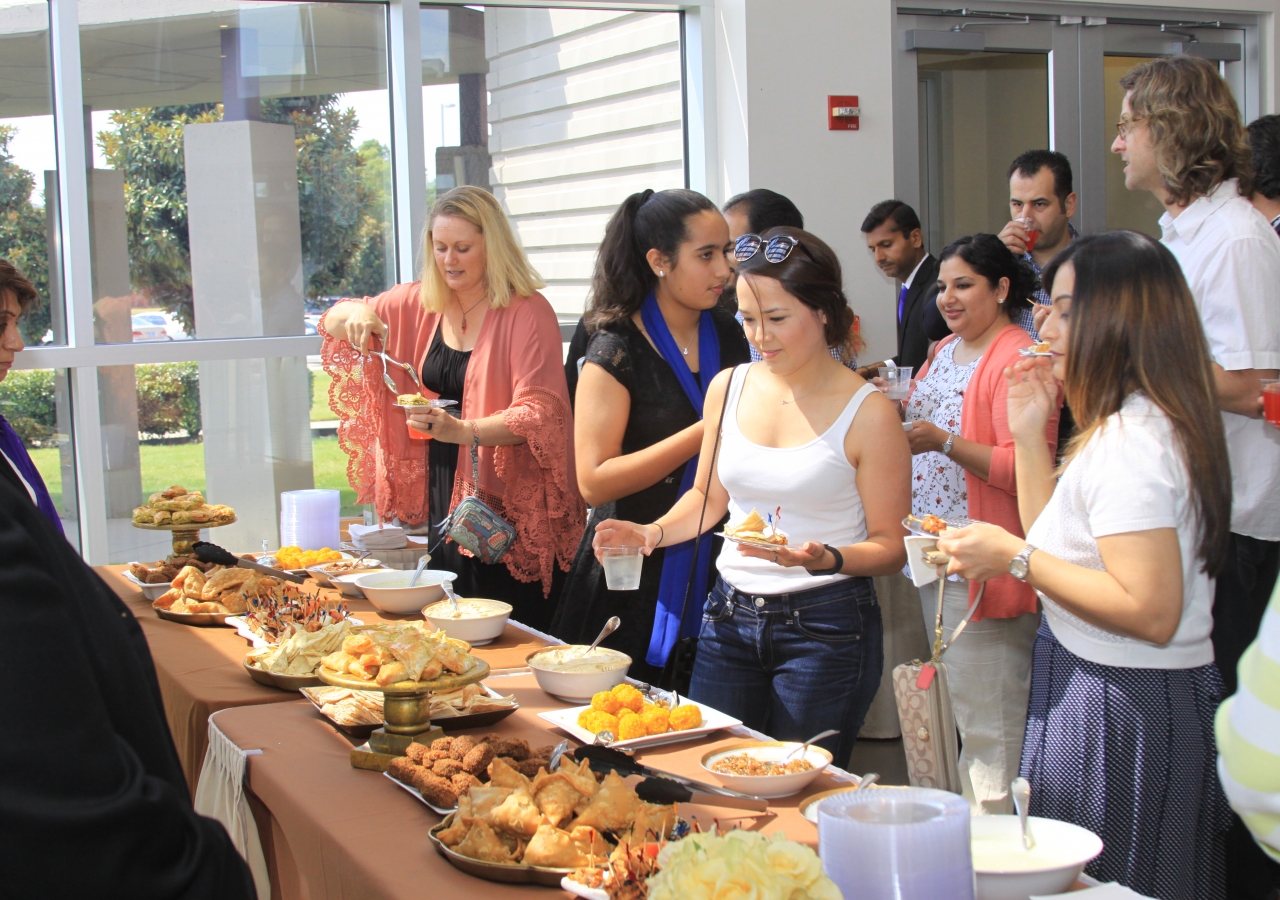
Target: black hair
<point>645,221</point>
<point>811,274</point>
<point>1029,164</point>
<point>903,216</point>
<point>766,209</point>
<point>987,255</point>
<point>1264,138</point>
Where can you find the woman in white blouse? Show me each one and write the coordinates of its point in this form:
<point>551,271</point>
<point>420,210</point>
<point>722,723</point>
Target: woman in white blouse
<point>1122,548</point>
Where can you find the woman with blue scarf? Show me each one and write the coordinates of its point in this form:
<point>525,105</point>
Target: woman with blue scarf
<point>17,295</point>
<point>791,640</point>
<point>657,340</point>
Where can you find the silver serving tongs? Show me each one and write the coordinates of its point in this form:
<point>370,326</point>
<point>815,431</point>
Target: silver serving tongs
<point>386,377</point>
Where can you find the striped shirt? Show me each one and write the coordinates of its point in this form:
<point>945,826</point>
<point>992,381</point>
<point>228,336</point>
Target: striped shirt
<point>1248,734</point>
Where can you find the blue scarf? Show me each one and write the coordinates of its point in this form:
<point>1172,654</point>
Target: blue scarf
<point>11,446</point>
<point>678,560</point>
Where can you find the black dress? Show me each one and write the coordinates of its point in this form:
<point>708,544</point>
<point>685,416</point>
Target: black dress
<point>659,409</point>
<point>444,372</point>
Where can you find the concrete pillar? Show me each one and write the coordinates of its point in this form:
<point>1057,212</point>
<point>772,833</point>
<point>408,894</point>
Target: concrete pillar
<point>247,281</point>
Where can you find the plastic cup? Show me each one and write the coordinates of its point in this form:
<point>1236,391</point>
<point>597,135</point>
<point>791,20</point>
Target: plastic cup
<point>1271,402</point>
<point>897,381</point>
<point>1033,231</point>
<point>414,434</point>
<point>622,567</point>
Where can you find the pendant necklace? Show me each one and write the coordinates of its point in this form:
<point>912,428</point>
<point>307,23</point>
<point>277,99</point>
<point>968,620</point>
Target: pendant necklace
<point>468,309</point>
<point>801,397</point>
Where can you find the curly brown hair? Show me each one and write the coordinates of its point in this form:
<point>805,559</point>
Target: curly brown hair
<point>1196,129</point>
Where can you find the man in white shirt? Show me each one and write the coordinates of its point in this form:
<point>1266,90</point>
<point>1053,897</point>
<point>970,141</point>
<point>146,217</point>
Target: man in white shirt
<point>1182,139</point>
<point>1264,138</point>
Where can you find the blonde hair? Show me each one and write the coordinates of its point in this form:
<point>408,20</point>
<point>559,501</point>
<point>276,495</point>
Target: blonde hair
<point>1196,130</point>
<point>507,269</point>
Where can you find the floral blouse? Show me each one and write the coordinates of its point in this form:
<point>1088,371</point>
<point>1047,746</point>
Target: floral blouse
<point>938,482</point>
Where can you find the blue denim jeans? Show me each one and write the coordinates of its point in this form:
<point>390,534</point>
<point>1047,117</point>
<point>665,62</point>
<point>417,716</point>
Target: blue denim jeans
<point>792,665</point>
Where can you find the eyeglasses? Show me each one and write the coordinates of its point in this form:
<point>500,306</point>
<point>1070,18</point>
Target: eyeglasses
<point>1124,126</point>
<point>776,250</point>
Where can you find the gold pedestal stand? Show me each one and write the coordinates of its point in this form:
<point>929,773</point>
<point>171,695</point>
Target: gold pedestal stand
<point>186,534</point>
<point>406,709</point>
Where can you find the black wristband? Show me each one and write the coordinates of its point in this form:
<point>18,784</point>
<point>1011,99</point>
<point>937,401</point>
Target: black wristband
<point>834,570</point>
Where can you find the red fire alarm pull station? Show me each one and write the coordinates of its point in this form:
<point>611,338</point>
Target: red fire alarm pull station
<point>843,112</point>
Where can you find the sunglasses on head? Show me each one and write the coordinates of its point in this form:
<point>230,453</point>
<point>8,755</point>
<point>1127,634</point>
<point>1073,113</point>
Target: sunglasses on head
<point>775,249</point>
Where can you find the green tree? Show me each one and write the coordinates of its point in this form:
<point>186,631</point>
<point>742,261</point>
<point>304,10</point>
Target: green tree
<point>368,273</point>
<point>23,238</point>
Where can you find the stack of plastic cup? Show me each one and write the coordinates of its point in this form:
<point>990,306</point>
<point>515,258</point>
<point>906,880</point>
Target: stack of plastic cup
<point>897,844</point>
<point>309,519</point>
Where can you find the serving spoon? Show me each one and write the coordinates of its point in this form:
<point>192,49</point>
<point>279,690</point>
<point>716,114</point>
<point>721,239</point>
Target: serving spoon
<point>609,628</point>
<point>417,573</point>
<point>1020,788</point>
<point>805,746</point>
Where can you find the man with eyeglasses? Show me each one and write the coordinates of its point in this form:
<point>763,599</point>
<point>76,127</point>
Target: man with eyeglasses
<point>1041,204</point>
<point>1181,138</point>
<point>896,242</point>
<point>1264,137</point>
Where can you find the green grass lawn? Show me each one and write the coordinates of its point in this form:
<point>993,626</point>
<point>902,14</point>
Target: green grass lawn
<point>320,411</point>
<point>166,464</point>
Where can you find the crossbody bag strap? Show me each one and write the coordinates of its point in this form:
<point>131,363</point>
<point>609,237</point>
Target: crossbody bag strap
<point>706,493</point>
<point>939,646</point>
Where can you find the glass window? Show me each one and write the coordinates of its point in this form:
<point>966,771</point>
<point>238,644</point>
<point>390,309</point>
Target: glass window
<point>1135,210</point>
<point>28,165</point>
<point>240,431</point>
<point>241,176</point>
<point>37,405</point>
<point>979,111</point>
<point>561,113</point>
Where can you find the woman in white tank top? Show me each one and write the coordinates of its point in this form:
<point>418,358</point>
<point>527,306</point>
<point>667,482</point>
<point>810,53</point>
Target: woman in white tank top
<point>791,639</point>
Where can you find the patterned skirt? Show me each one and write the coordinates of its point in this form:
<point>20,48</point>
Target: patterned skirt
<point>1130,755</point>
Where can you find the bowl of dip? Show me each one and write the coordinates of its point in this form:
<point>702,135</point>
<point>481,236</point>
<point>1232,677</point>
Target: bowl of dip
<point>1006,871</point>
<point>757,767</point>
<point>389,590</point>
<point>564,672</point>
<point>476,621</point>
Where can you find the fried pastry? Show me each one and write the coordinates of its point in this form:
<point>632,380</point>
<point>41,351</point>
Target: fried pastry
<point>357,644</point>
<point>480,801</point>
<point>463,782</point>
<point>481,843</point>
<point>388,674</point>
<point>478,758</point>
<point>501,774</point>
<point>517,815</point>
<point>447,768</point>
<point>456,831</point>
<point>461,746</point>
<point>555,796</point>
<point>338,662</point>
<point>613,808</point>
<point>590,841</point>
<point>553,848</point>
<point>223,580</point>
<point>167,599</point>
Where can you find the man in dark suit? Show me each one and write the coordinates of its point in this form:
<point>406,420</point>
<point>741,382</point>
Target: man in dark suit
<point>893,234</point>
<point>93,801</point>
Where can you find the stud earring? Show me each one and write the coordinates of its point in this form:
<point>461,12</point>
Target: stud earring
<point>661,274</point>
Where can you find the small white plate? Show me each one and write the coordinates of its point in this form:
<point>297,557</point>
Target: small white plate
<point>581,890</point>
<point>763,545</point>
<point>712,720</point>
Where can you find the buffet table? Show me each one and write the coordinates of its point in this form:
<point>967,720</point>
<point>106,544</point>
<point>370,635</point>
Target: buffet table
<point>331,832</point>
<point>201,670</point>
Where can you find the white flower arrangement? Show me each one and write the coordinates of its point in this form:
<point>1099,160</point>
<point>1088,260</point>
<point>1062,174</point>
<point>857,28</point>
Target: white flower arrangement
<point>740,865</point>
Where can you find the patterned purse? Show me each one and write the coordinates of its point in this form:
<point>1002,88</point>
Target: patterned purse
<point>925,712</point>
<point>475,527</point>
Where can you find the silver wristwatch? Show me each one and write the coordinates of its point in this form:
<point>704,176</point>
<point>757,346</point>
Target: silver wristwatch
<point>1021,564</point>
<point>946,445</point>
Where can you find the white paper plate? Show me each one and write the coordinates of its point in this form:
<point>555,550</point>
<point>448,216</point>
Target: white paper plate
<point>763,545</point>
<point>152,592</point>
<point>712,720</point>
<point>581,890</point>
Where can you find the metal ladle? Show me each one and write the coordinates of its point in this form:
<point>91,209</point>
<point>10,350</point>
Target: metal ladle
<point>805,746</point>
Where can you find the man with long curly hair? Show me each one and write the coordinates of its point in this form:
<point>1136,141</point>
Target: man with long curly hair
<point>1182,138</point>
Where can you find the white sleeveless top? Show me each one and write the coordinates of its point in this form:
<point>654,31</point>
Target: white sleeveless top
<point>814,484</point>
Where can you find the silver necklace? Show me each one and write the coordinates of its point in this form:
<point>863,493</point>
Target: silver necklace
<point>801,397</point>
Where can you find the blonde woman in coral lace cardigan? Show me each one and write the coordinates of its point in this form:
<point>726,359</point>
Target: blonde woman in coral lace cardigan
<point>478,332</point>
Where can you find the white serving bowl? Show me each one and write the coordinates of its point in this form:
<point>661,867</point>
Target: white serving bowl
<point>768,786</point>
<point>152,592</point>
<point>575,686</point>
<point>1005,871</point>
<point>389,591</point>
<point>324,579</point>
<point>347,583</point>
<point>475,630</point>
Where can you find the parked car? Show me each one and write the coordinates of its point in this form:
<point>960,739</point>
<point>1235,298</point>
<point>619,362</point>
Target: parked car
<point>172,327</point>
<point>146,330</point>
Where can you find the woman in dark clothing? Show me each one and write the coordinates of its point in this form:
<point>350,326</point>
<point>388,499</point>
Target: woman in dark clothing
<point>657,339</point>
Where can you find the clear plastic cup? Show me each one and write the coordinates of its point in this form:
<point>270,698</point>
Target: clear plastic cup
<point>897,381</point>
<point>622,567</point>
<point>415,434</point>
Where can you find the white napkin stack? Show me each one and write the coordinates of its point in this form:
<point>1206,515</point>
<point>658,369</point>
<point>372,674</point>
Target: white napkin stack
<point>377,537</point>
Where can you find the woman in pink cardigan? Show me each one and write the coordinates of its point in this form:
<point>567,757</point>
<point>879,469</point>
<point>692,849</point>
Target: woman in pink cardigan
<point>963,467</point>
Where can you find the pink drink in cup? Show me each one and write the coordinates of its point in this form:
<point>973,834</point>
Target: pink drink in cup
<point>1033,232</point>
<point>1271,402</point>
